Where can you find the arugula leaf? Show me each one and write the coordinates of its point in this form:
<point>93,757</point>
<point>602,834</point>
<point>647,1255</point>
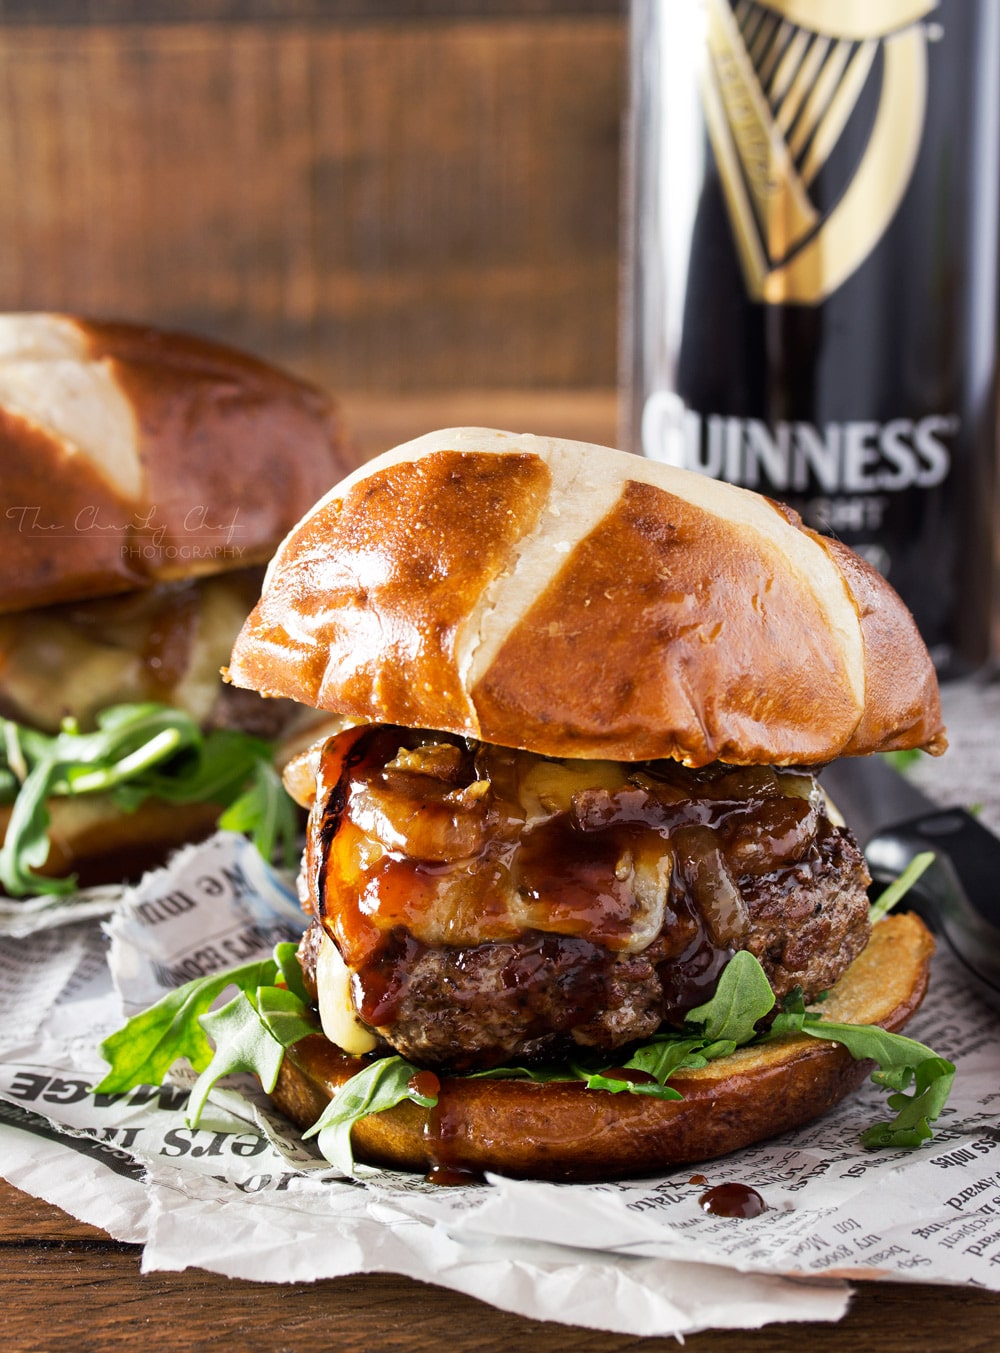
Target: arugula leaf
<point>286,955</point>
<point>136,752</point>
<point>900,886</point>
<point>26,843</point>
<point>933,1080</point>
<point>381,1085</point>
<point>742,998</point>
<point>250,1033</point>
<point>266,813</point>
<point>217,767</point>
<point>900,1061</point>
<point>542,1074</point>
<point>283,1014</point>
<point>615,1086</point>
<point>253,1030</point>
<point>144,1049</point>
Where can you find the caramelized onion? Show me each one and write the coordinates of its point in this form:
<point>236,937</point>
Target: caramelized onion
<point>779,833</point>
<point>464,844</point>
<point>442,760</point>
<point>418,815</point>
<point>710,884</point>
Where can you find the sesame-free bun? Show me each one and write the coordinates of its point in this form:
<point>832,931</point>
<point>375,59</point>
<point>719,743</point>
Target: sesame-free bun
<point>561,1130</point>
<point>131,455</point>
<point>578,601</point>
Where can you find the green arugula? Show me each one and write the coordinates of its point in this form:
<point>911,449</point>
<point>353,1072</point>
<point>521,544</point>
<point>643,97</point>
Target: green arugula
<point>251,1034</point>
<point>136,752</point>
<point>381,1085</point>
<point>144,1049</point>
<point>270,1013</point>
<point>264,812</point>
<point>900,886</point>
<point>899,1060</point>
<point>743,996</point>
<point>286,955</point>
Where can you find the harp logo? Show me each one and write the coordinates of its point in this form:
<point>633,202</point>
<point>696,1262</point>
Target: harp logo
<point>780,84</point>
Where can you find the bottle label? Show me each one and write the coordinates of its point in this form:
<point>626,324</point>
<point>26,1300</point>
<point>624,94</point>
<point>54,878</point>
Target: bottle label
<point>841,475</point>
<point>780,84</point>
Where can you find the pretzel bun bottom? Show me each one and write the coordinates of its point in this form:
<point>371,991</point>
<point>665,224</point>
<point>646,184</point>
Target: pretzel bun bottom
<point>562,1131</point>
<point>92,838</point>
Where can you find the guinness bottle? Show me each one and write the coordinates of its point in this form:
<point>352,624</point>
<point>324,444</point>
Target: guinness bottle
<point>813,195</point>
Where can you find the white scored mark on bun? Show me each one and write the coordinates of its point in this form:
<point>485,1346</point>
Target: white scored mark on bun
<point>582,601</point>
<point>49,377</point>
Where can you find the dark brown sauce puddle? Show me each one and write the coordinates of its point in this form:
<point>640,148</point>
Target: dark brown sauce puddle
<point>732,1200</point>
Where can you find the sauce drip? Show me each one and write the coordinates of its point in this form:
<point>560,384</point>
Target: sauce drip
<point>698,1179</point>
<point>443,1139</point>
<point>431,842</point>
<point>425,1084</point>
<point>732,1200</point>
<point>169,640</point>
<point>453,1175</point>
<point>691,978</point>
<point>568,874</point>
<point>381,982</point>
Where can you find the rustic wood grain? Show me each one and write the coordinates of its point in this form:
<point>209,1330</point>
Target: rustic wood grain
<point>399,206</point>
<point>377,422</point>
<point>279,11</point>
<point>64,1291</point>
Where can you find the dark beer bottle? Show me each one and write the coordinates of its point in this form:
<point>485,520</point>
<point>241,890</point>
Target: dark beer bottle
<point>813,195</point>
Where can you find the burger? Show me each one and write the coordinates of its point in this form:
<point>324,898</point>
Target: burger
<point>573,887</point>
<point>148,477</point>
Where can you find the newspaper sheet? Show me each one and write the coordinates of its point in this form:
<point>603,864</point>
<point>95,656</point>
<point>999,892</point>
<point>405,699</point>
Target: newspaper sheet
<point>243,1195</point>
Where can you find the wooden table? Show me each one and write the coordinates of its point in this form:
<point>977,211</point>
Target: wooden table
<point>66,1285</point>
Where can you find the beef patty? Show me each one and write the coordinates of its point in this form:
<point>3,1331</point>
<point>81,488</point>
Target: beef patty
<point>493,906</point>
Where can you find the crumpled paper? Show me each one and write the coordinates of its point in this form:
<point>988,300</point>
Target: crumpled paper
<point>243,1195</point>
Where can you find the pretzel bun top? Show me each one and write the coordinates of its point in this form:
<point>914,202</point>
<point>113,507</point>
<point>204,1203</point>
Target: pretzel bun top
<point>133,456</point>
<point>579,601</point>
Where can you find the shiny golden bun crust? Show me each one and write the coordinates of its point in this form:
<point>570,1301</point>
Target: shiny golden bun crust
<point>578,601</point>
<point>561,1130</point>
<point>127,452</point>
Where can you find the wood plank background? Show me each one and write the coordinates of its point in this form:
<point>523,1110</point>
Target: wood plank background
<point>396,197</point>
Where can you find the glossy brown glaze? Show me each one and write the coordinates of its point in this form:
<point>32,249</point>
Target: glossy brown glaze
<point>732,1200</point>
<point>493,907</point>
<point>429,840</point>
<point>563,1131</point>
<point>169,640</point>
<point>477,856</point>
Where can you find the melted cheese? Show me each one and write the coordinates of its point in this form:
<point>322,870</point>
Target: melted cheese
<point>336,1009</point>
<point>78,658</point>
